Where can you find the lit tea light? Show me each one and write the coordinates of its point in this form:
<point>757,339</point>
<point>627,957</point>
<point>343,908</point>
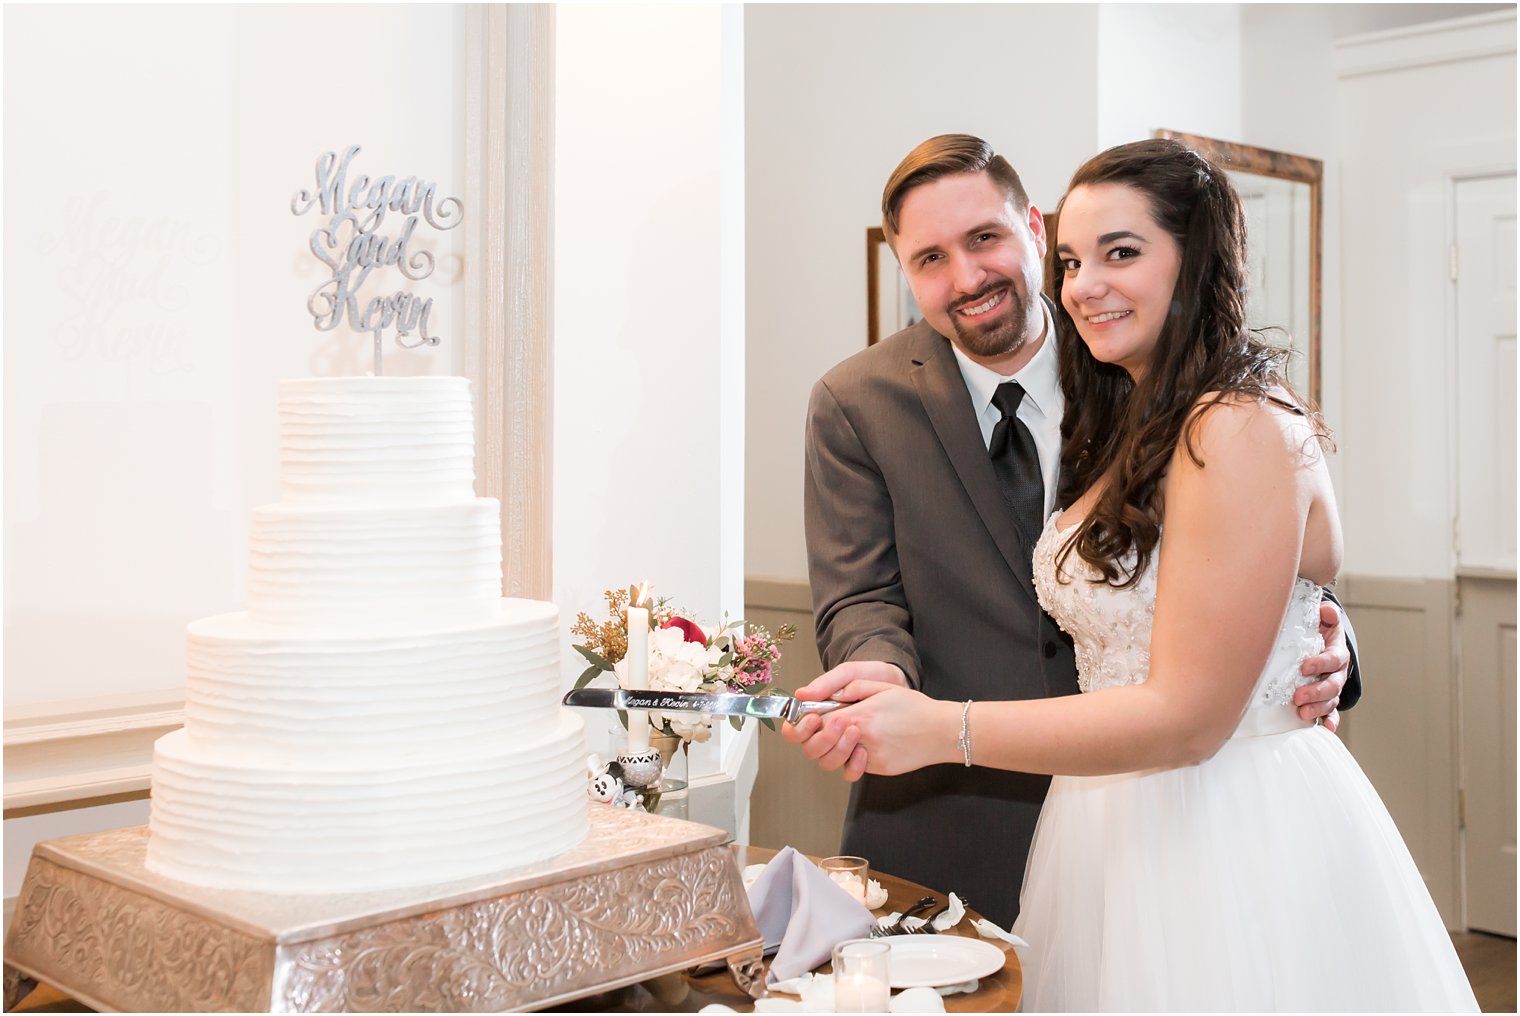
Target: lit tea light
<point>850,883</point>
<point>849,874</point>
<point>862,977</point>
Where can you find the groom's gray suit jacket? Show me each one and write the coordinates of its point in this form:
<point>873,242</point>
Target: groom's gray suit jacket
<point>914,559</point>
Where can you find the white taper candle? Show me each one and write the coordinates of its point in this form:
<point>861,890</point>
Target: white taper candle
<point>638,675</point>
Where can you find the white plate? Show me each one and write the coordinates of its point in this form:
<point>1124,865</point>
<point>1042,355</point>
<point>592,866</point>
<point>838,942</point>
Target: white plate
<point>934,961</point>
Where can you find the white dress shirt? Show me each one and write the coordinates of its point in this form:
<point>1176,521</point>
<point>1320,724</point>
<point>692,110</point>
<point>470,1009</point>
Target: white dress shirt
<point>1040,411</point>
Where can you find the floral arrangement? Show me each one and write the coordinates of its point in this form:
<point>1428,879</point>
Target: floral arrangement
<point>682,657</point>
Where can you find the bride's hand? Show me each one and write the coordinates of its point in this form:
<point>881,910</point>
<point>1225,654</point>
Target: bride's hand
<point>891,729</point>
<point>827,747</point>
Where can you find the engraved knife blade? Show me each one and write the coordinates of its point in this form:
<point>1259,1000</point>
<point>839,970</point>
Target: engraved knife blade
<point>770,707</point>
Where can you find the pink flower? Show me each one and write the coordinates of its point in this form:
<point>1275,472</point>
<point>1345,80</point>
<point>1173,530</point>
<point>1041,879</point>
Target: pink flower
<point>690,630</point>
<point>750,677</point>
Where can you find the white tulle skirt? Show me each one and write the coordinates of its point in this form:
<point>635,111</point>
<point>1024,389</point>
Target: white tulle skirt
<point>1267,878</point>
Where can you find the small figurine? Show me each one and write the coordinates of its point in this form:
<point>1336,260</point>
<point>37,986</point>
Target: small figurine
<point>607,787</point>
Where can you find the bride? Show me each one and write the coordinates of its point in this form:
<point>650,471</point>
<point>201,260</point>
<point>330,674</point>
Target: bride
<point>1188,792</point>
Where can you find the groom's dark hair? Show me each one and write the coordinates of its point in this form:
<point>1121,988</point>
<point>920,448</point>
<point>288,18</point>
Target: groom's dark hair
<point>946,155</point>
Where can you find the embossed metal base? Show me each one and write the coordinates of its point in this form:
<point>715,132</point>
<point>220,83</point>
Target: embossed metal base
<point>643,896</point>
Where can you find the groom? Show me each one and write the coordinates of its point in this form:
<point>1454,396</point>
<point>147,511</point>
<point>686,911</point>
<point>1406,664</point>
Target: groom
<point>914,557</point>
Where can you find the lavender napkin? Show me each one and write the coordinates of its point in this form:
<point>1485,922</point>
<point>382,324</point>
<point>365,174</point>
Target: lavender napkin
<point>801,911</point>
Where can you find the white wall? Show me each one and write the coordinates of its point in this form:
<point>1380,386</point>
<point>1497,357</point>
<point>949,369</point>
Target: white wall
<point>1160,62</point>
<point>1404,135</point>
<point>648,313</point>
<point>1407,535</point>
<point>837,95</point>
<point>1272,105</point>
<point>155,288</point>
<point>155,291</point>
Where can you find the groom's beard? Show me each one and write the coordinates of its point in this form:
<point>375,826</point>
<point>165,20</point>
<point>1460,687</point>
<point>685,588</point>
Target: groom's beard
<point>1001,337</point>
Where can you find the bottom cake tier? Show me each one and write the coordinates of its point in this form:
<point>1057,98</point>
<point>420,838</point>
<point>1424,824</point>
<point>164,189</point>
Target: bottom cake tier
<point>230,820</point>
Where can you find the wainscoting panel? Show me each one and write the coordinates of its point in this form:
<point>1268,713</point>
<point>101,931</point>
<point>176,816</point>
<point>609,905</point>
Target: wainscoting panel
<point>1486,642</point>
<point>70,753</point>
<point>794,803</point>
<point>1404,731</point>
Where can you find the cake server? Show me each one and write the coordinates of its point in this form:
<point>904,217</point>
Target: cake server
<point>764,707</point>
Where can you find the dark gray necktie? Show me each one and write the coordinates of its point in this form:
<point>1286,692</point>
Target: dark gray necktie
<point>1017,463</point>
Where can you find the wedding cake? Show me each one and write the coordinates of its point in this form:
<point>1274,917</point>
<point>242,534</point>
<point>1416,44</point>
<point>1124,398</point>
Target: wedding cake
<point>379,716</point>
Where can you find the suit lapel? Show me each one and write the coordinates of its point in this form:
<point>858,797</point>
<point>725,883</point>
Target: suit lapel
<point>942,390</point>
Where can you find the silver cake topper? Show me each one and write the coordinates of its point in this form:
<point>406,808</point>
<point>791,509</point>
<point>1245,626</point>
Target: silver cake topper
<point>351,245</point>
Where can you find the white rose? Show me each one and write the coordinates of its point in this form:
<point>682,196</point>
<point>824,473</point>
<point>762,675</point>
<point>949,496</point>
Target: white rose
<point>674,663</point>
<point>665,641</point>
<point>690,726</point>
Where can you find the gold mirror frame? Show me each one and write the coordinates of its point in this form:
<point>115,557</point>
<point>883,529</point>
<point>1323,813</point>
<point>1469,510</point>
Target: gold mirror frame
<point>889,302</point>
<point>876,239</point>
<point>1250,160</point>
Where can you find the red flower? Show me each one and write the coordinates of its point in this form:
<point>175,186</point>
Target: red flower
<point>691,631</point>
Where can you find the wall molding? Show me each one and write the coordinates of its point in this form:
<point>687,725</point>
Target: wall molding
<point>1435,42</point>
<point>509,346</point>
<point>784,777</point>
<point>76,752</point>
<point>777,594</point>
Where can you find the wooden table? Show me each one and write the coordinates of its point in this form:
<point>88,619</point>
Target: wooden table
<point>688,993</point>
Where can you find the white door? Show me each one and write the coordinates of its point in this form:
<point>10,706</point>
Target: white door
<point>1484,270</point>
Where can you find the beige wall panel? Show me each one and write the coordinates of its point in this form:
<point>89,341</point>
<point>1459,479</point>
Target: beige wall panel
<point>1403,733</point>
<point>794,803</point>
<point>1486,629</point>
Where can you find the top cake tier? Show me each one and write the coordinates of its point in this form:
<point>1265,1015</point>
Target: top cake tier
<point>376,440</point>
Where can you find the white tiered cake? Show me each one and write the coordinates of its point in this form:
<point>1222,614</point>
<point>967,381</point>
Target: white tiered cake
<point>379,716</point>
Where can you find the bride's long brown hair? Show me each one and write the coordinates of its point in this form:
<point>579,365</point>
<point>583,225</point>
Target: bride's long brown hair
<point>1125,434</point>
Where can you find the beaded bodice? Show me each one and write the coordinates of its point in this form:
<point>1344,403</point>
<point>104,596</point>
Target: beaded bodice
<point>1111,628</point>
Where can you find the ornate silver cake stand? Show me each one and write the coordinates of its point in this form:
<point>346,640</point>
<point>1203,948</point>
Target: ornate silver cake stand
<point>643,896</point>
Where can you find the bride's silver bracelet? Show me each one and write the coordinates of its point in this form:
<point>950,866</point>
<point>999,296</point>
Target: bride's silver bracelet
<point>965,741</point>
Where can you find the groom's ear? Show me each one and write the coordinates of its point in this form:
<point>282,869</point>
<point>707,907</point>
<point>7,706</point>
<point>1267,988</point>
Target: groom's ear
<point>1036,222</point>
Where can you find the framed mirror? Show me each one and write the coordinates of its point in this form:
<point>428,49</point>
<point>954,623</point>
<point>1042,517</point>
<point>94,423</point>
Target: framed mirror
<point>890,306</point>
<point>1282,198</point>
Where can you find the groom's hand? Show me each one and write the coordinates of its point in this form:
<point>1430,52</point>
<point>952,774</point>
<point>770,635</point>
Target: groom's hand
<point>1321,698</point>
<point>833,748</point>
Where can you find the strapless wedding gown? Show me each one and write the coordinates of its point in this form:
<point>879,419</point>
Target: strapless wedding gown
<point>1269,877</point>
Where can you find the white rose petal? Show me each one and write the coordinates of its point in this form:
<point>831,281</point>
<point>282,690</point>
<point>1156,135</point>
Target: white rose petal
<point>697,729</point>
<point>793,985</point>
<point>917,1000</point>
<point>876,896</point>
<point>951,917</point>
<point>665,640</point>
<point>987,929</point>
<point>818,993</point>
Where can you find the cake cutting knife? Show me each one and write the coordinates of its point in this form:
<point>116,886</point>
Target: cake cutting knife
<point>764,707</point>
